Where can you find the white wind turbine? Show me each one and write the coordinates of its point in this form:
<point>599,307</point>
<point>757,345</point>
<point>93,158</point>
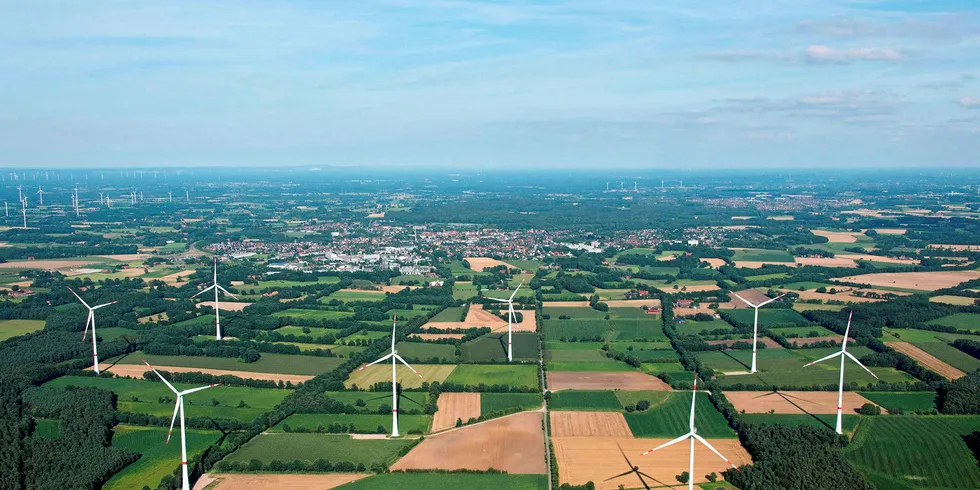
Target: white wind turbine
<point>755,325</point>
<point>692,435</point>
<point>91,321</point>
<point>216,287</point>
<point>393,355</point>
<point>179,407</point>
<point>511,317</point>
<point>843,353</point>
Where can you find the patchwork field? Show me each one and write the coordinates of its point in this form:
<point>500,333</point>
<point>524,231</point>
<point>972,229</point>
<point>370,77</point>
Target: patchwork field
<point>137,370</point>
<point>928,360</point>
<point>450,481</point>
<point>268,363</point>
<point>589,424</point>
<point>558,381</point>
<point>794,402</point>
<point>922,281</point>
<point>382,373</point>
<point>455,406</point>
<point>784,367</point>
<point>272,481</point>
<point>309,447</point>
<point>493,347</point>
<point>514,444</point>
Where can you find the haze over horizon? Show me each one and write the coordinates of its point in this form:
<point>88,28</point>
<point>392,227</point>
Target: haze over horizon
<point>559,83</point>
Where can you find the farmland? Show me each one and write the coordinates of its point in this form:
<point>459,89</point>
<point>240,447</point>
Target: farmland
<point>268,363</point>
<point>962,321</point>
<point>493,346</point>
<point>784,367</point>
<point>382,373</point>
<point>309,447</point>
<point>304,314</point>
<point>585,400</point>
<point>157,458</point>
<point>670,418</point>
<point>518,376</point>
<point>492,402</point>
<point>908,402</point>
<point>14,328</point>
<point>356,423</point>
<point>769,317</point>
<point>438,481</point>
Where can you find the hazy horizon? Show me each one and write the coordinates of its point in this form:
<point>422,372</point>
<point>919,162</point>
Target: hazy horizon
<point>474,85</point>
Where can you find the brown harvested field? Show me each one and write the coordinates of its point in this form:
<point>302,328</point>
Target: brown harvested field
<point>395,289</point>
<point>477,317</point>
<point>878,258</point>
<point>814,402</point>
<point>528,325</point>
<point>172,278</point>
<point>924,281</point>
<point>928,360</point>
<point>514,444</point>
<point>753,295</point>
<point>137,370</point>
<point>956,248</point>
<point>409,380</point>
<point>825,262</point>
<point>126,257</point>
<point>703,287</point>
<point>479,263</point>
<point>769,343</point>
<point>813,340</point>
<point>226,305</point>
<point>454,406</point>
<point>48,265</point>
<point>781,218</point>
<point>750,264</point>
<point>589,424</point>
<point>716,263</point>
<point>634,303</point>
<point>436,336</point>
<point>837,236</point>
<point>846,297</point>
<point>274,481</point>
<point>566,304</point>
<point>628,381</point>
<point>702,308</point>
<point>953,300</point>
<point>595,459</point>
<point>891,231</point>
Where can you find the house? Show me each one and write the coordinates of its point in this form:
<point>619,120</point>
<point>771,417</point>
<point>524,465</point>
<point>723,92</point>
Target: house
<point>684,303</point>
<point>436,284</point>
<point>653,311</point>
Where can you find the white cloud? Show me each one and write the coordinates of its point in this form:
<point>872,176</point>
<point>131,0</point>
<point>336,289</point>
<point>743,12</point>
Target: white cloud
<point>970,102</point>
<point>825,54</point>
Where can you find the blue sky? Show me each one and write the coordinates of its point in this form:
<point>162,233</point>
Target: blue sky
<point>556,83</point>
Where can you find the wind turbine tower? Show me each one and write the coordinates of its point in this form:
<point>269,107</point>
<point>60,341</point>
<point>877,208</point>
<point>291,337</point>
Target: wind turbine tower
<point>511,318</point>
<point>41,194</point>
<point>217,309</point>
<point>393,355</point>
<point>755,326</point>
<point>91,321</point>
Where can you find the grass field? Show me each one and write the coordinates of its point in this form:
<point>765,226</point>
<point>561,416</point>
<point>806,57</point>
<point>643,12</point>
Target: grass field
<point>382,372</point>
<point>762,255</point>
<point>340,350</point>
<point>157,458</point>
<point>585,400</point>
<point>350,295</point>
<point>769,317</point>
<point>951,355</point>
<point>691,326</point>
<point>268,363</point>
<point>313,314</point>
<point>805,331</point>
<point>490,402</point>
<point>14,328</point>
<point>450,481</point>
<point>464,291</point>
<point>806,285</point>
<point>916,452</point>
<point>654,397</point>
<point>309,447</point>
<point>518,375</point>
<point>361,423</point>
<point>908,402</point>
<point>784,367</point>
<point>494,347</point>
<point>916,335</point>
<point>423,350</point>
<point>278,284</point>
<point>315,332</point>
<point>670,418</point>
<point>810,307</point>
<point>368,335</point>
<point>451,314</point>
<point>962,321</point>
<point>655,368</point>
<point>148,393</point>
<point>524,292</point>
<point>373,400</point>
<point>765,277</point>
<point>609,330</point>
<point>826,421</point>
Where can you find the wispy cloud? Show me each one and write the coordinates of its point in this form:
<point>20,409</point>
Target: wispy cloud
<point>824,54</point>
<point>970,102</point>
<point>816,54</point>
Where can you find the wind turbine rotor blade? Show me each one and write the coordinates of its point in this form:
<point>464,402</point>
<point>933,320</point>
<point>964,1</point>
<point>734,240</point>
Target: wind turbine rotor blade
<point>771,300</point>
<point>88,321</point>
<point>79,297</point>
<point>162,378</point>
<point>105,304</point>
<point>515,291</point>
<point>709,446</point>
<point>694,398</point>
<point>204,290</point>
<point>835,354</point>
<point>385,358</point>
<point>496,299</point>
<point>847,332</point>
<point>668,443</point>
<point>194,390</point>
<point>173,419</point>
<point>226,292</point>
<point>407,365</point>
<point>848,354</point>
<point>743,299</point>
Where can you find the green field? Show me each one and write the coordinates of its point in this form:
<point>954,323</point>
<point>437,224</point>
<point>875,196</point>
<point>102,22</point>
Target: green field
<point>278,284</point>
<point>654,397</point>
<point>585,400</point>
<point>315,332</point>
<point>148,393</point>
<point>340,350</point>
<point>761,255</point>
<point>268,363</point>
<point>517,375</point>
<point>916,335</point>
<point>826,421</point>
<point>309,447</point>
<point>14,328</point>
<point>916,452</point>
<point>352,295</point>
<point>463,291</point>
<point>951,355</point>
<point>908,402</point>
<point>313,314</point>
<point>655,368</point>
<point>806,285</point>
<point>769,317</point>
<point>367,424</point>
<point>373,400</point>
<point>695,327</point>
<point>157,458</point>
<point>609,330</point>
<point>805,331</point>
<point>784,367</point>
<point>426,351</point>
<point>493,346</point>
<point>670,418</point>
<point>765,277</point>
<point>524,292</point>
<point>451,314</point>
<point>368,335</point>
<point>491,402</point>
<point>818,307</point>
<point>962,321</point>
<point>449,481</point>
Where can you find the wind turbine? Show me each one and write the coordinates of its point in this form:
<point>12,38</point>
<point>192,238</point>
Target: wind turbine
<point>216,287</point>
<point>179,407</point>
<point>692,435</point>
<point>393,355</point>
<point>755,326</point>
<point>23,210</point>
<point>91,321</point>
<point>843,353</point>
<point>511,317</point>
<point>41,194</point>
<point>636,470</point>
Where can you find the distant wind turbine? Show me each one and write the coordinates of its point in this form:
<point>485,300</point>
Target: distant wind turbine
<point>216,287</point>
<point>179,407</point>
<point>692,435</point>
<point>393,355</point>
<point>41,194</point>
<point>843,353</point>
<point>91,321</point>
<point>511,318</point>
<point>755,326</point>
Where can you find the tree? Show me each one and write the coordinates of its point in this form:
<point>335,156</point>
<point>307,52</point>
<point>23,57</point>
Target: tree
<point>683,477</point>
<point>870,409</point>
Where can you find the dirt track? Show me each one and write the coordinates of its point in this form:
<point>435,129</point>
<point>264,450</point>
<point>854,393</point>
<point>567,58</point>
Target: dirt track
<point>630,381</point>
<point>814,402</point>
<point>589,424</point>
<point>232,481</point>
<point>137,370</point>
<point>928,360</point>
<point>514,444</point>
<point>924,281</point>
<point>455,406</point>
<point>583,459</point>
